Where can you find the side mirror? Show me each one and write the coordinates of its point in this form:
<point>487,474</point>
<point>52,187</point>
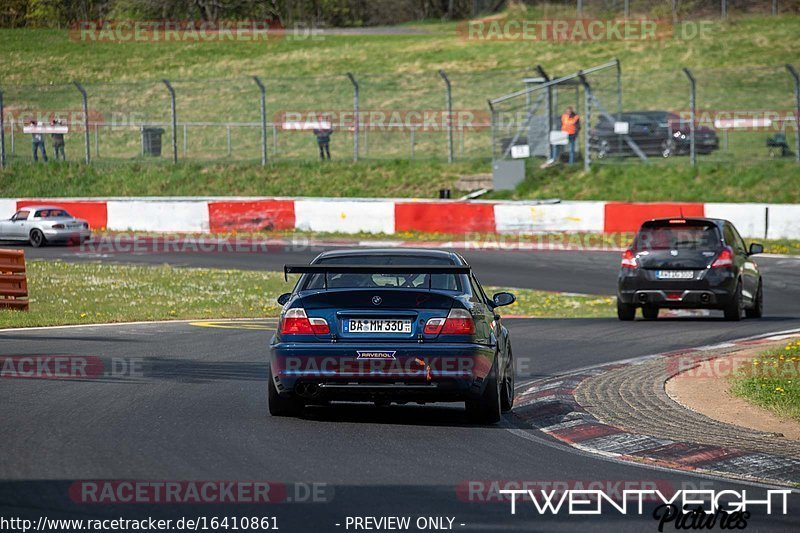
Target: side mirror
<point>756,248</point>
<point>503,298</point>
<point>283,298</point>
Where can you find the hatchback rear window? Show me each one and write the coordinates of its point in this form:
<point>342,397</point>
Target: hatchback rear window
<point>675,237</point>
<point>450,282</point>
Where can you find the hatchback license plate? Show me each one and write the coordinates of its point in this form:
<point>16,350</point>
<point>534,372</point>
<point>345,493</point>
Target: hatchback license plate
<point>377,325</point>
<point>674,274</point>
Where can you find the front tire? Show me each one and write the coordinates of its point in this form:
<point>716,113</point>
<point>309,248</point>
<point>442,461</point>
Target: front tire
<point>733,311</point>
<point>278,405</point>
<point>650,312</point>
<point>37,238</point>
<point>757,311</point>
<point>487,409</point>
<point>625,311</point>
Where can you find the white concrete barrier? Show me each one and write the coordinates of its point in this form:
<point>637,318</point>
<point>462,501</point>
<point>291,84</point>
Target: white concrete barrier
<point>158,215</point>
<point>345,216</point>
<point>565,216</point>
<point>749,219</point>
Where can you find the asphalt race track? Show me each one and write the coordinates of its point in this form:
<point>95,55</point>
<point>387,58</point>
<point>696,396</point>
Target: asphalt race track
<point>194,408</point>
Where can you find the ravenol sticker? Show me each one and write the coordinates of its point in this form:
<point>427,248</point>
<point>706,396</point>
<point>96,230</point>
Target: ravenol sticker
<point>375,355</point>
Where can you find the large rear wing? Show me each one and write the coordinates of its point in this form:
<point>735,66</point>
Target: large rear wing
<point>373,269</point>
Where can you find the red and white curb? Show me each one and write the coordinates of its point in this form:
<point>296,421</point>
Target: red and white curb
<point>392,216</point>
<point>549,405</point>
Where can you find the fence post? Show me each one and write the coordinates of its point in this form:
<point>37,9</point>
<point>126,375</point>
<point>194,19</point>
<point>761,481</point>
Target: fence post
<point>356,118</point>
<point>3,133</point>
<point>174,121</point>
<point>774,7</point>
<point>85,120</point>
<point>263,119</point>
<point>587,99</point>
<point>627,8</point>
<point>693,111</point>
<point>619,100</point>
<point>796,77</point>
<point>724,8</point>
<point>449,103</point>
<point>579,8</point>
<point>493,122</point>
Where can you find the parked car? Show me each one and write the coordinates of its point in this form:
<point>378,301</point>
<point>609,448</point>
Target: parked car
<point>42,224</point>
<point>679,263</point>
<point>656,133</point>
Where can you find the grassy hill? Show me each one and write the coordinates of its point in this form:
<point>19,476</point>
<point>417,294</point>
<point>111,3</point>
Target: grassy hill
<point>738,63</point>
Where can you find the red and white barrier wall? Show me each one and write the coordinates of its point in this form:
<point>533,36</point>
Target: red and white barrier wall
<point>353,215</point>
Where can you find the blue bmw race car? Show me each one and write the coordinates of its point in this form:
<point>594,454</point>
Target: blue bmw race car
<point>390,326</point>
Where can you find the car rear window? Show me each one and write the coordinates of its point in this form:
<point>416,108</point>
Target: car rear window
<point>450,282</point>
<point>677,236</point>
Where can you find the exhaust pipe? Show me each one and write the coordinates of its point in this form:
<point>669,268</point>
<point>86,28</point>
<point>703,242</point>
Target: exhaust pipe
<point>309,390</point>
<point>642,297</point>
<point>705,297</point>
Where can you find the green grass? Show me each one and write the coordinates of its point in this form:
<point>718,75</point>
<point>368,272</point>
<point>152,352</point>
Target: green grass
<point>87,293</point>
<point>773,181</point>
<point>675,180</point>
<point>369,179</point>
<point>396,72</point>
<point>772,381</point>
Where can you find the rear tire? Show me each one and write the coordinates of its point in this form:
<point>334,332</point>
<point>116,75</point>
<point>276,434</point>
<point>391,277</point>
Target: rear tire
<point>507,390</point>
<point>650,312</point>
<point>733,311</point>
<point>37,238</point>
<point>625,311</point>
<point>486,409</point>
<point>757,311</point>
<point>278,405</point>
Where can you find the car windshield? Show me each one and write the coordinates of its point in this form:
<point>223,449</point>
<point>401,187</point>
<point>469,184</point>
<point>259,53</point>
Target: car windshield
<point>675,237</point>
<point>449,282</point>
<point>51,213</point>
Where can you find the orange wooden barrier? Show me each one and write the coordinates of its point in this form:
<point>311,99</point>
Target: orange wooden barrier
<point>13,282</point>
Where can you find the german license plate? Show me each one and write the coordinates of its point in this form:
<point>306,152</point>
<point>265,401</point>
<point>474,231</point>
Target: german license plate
<point>377,325</point>
<point>674,274</point>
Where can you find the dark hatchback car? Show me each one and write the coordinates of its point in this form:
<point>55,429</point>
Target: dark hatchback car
<point>656,133</point>
<point>391,326</point>
<point>679,263</point>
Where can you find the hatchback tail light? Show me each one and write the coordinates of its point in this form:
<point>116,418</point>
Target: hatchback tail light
<point>296,322</point>
<point>58,226</point>
<point>724,259</point>
<point>629,259</point>
<point>458,322</point>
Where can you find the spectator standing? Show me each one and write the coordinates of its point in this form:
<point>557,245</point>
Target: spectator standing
<point>323,141</point>
<point>58,141</point>
<point>38,143</point>
<point>571,125</point>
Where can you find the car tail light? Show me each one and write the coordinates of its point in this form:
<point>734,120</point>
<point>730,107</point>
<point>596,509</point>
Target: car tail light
<point>58,226</point>
<point>319,326</point>
<point>434,326</point>
<point>724,259</point>
<point>85,225</point>
<point>296,322</point>
<point>629,259</point>
<point>458,322</point>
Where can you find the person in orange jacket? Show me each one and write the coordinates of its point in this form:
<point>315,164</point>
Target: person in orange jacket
<point>571,125</point>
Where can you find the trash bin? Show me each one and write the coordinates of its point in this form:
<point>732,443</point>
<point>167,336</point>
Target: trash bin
<point>151,141</point>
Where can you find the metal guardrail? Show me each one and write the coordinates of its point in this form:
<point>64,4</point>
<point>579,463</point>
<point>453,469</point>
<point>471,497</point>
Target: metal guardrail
<point>13,280</point>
